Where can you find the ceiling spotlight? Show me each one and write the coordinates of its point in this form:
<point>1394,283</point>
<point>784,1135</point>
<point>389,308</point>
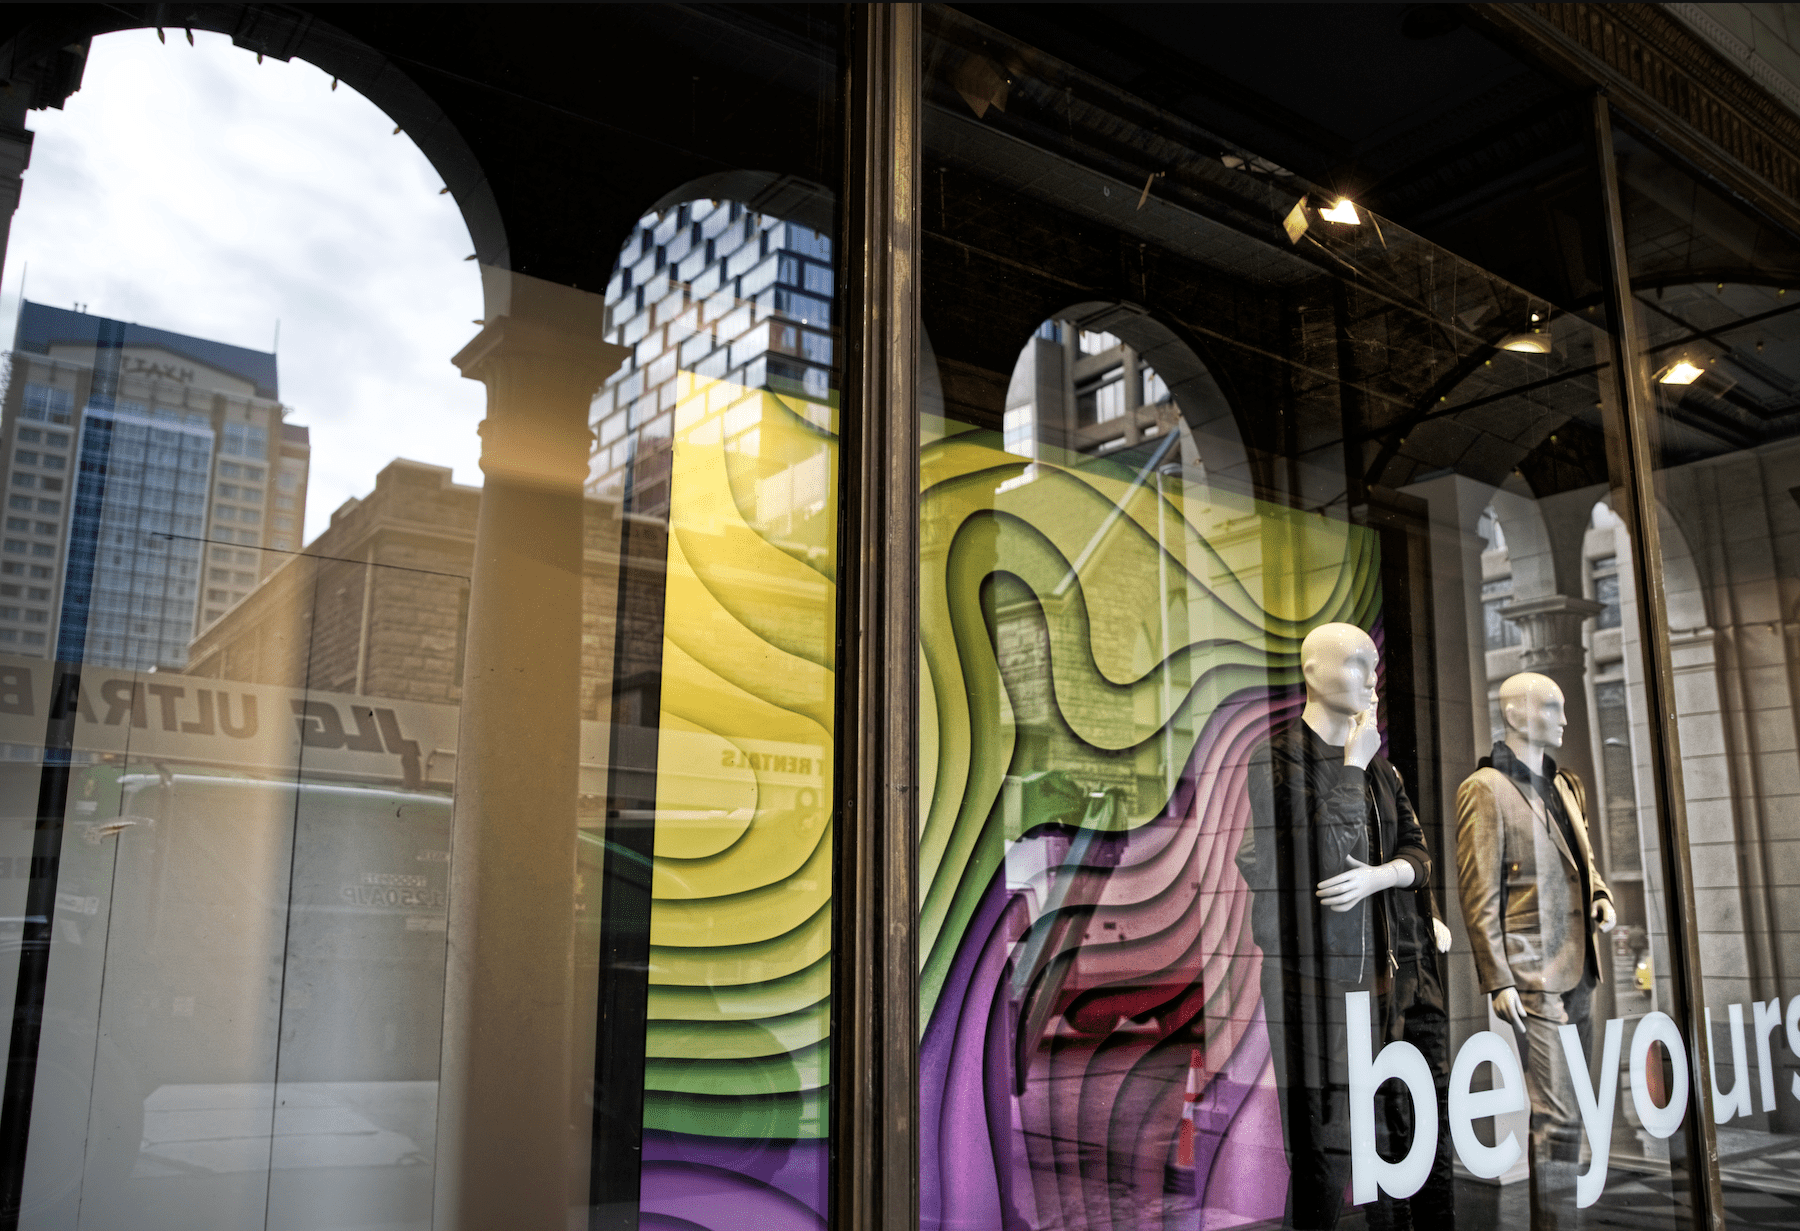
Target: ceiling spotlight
<point>1343,212</point>
<point>1527,343</point>
<point>1681,372</point>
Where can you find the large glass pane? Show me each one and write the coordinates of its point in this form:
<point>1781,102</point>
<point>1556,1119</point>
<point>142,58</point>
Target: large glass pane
<point>1219,469</point>
<point>726,468</point>
<point>457,851</point>
<point>1715,287</point>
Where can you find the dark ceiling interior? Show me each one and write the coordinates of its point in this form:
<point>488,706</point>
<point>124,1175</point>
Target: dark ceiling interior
<point>1417,112</point>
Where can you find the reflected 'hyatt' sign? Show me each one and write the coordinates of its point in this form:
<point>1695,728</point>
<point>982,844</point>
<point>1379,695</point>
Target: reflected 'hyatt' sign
<point>167,371</point>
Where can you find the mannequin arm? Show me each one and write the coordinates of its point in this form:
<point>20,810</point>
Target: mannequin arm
<point>1346,889</point>
<point>1508,1006</point>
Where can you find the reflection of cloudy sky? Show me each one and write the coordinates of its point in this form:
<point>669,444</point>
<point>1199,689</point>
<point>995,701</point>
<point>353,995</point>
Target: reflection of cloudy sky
<point>192,189</point>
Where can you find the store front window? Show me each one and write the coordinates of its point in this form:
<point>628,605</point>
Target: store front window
<point>1060,618</point>
<point>1193,951</point>
<point>465,856</point>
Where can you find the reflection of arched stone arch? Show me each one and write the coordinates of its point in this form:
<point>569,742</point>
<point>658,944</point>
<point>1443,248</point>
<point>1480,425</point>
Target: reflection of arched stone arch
<point>286,34</point>
<point>1528,546</point>
<point>1683,593</point>
<point>766,192</point>
<point>1209,417</point>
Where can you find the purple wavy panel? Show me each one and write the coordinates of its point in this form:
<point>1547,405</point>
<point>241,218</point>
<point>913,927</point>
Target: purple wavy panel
<point>1090,1142</point>
<point>722,1184</point>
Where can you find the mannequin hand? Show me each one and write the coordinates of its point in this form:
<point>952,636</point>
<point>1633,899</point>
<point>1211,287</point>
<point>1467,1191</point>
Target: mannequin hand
<point>1365,739</point>
<point>1346,889</point>
<point>1441,930</point>
<point>1604,914</point>
<point>1509,1007</point>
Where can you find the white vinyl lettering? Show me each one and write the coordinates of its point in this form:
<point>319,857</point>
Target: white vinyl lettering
<point>1403,1062</point>
<point>1467,1106</point>
<point>1768,1016</point>
<point>1793,1034</point>
<point>1596,1105</point>
<point>1658,1027</point>
<point>1727,1106</point>
<point>1371,1174</point>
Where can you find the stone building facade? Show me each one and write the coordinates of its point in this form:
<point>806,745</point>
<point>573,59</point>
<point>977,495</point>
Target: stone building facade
<point>377,605</point>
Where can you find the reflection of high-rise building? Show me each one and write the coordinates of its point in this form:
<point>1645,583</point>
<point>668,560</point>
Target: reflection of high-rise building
<point>131,450</point>
<point>1084,391</point>
<point>720,290</point>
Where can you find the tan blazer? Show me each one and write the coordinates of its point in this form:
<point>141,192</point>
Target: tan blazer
<point>1527,899</point>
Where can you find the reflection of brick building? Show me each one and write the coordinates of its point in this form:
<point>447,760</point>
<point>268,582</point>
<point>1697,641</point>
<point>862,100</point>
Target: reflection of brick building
<point>378,604</point>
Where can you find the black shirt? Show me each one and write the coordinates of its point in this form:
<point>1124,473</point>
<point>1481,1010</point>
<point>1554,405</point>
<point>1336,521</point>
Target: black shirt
<point>1544,784</point>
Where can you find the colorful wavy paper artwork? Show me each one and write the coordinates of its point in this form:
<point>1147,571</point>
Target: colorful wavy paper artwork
<point>1099,654</point>
<point>736,1041</point>
<point>1101,650</point>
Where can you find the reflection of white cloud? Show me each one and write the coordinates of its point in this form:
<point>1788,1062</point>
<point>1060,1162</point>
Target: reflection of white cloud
<point>193,189</point>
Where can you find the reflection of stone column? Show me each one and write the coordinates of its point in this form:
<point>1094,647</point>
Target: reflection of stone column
<point>504,1099</point>
<point>1550,635</point>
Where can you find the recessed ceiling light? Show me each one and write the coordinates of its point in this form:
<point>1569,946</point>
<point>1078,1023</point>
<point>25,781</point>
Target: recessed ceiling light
<point>1681,372</point>
<point>1343,212</point>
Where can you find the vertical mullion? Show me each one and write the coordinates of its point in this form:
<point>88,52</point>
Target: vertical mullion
<point>874,1104</point>
<point>1634,475</point>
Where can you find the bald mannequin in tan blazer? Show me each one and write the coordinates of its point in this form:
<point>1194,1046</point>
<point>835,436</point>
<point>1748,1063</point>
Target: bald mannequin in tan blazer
<point>1534,903</point>
<point>1526,896</point>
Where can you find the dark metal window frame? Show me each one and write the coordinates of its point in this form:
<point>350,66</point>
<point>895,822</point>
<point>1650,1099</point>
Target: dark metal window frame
<point>875,966</point>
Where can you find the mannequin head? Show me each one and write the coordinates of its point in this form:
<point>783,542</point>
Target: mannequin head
<point>1531,705</point>
<point>1338,661</point>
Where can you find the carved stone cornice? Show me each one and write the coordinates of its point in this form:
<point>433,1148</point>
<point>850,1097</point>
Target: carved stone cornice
<point>1670,81</point>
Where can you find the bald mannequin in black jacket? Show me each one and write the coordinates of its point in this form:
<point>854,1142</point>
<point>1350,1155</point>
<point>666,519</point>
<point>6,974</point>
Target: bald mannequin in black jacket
<point>1338,865</point>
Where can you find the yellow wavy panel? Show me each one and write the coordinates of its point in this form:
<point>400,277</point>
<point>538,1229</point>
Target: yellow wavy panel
<point>742,1039</point>
<point>768,590</point>
<point>792,806</point>
<point>742,918</point>
<point>695,619</point>
<point>734,965</point>
<point>741,1002</point>
<point>705,792</point>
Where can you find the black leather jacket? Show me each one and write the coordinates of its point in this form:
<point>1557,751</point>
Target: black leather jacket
<point>1309,815</point>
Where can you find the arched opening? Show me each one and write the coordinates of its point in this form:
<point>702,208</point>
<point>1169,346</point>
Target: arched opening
<point>717,445</point>
<point>233,970</point>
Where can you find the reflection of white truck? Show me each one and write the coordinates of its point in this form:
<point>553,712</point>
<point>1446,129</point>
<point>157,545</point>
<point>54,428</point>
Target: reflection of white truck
<point>247,964</point>
<point>249,1014</point>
